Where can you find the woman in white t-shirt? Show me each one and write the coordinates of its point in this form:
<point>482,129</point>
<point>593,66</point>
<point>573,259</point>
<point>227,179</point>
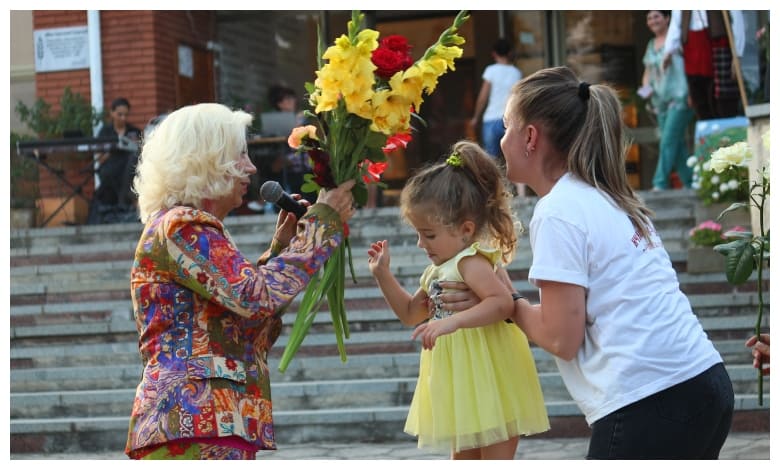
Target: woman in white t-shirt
<point>629,348</point>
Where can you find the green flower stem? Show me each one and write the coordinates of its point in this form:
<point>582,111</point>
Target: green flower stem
<point>445,38</point>
<point>312,300</point>
<point>760,266</point>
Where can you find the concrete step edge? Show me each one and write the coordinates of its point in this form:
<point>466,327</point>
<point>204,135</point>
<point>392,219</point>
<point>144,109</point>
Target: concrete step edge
<point>299,417</point>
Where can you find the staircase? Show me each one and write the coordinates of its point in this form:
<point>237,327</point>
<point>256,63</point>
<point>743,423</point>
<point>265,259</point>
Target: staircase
<point>75,364</point>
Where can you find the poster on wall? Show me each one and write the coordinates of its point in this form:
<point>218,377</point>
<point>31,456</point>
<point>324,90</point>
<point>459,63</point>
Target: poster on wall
<point>58,49</point>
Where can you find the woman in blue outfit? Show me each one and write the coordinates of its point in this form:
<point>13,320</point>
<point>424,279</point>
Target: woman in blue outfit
<point>668,93</point>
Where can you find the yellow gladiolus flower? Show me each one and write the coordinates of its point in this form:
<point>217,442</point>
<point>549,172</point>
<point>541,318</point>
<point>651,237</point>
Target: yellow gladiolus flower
<point>391,112</point>
<point>449,54</point>
<point>367,41</point>
<point>408,84</point>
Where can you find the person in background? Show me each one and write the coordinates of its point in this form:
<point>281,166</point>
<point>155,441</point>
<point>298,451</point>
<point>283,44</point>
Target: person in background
<point>478,389</point>
<point>114,197</point>
<point>497,80</point>
<point>206,315</point>
<point>667,90</point>
<point>296,163</point>
<point>630,350</point>
<point>287,168</point>
<point>702,38</point>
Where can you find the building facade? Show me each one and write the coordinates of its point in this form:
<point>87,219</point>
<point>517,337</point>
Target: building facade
<point>162,60</point>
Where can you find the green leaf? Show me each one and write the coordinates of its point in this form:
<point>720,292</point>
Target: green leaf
<point>360,193</point>
<point>739,264</point>
<point>727,248</point>
<point>733,207</point>
<point>738,234</point>
<point>375,154</point>
<point>376,139</point>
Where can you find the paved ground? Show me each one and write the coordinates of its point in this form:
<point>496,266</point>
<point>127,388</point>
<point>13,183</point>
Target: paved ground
<point>739,446</point>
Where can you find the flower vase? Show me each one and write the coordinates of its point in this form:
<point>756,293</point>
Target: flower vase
<point>703,259</point>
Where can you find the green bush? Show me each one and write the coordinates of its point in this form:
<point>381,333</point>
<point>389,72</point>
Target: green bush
<point>75,114</point>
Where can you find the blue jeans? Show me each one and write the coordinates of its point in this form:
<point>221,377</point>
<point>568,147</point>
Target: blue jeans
<point>672,148</point>
<point>492,132</point>
<point>689,420</point>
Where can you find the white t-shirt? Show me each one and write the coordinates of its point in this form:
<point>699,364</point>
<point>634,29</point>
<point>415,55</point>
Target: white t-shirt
<point>501,78</point>
<point>641,335</point>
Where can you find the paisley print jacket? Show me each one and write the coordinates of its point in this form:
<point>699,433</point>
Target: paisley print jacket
<point>206,318</point>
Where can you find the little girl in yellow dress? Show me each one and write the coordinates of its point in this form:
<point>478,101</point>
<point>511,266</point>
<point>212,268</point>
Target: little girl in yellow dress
<point>478,389</point>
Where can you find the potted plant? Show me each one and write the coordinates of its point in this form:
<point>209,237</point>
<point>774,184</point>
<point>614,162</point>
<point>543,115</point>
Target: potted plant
<point>28,195</point>
<point>24,187</point>
<point>702,257</point>
<point>718,190</point>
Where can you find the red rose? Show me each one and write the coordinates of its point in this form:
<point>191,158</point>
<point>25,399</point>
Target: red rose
<point>397,43</point>
<point>321,168</point>
<point>392,56</point>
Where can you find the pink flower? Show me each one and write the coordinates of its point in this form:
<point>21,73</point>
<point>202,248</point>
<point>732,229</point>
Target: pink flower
<point>299,134</point>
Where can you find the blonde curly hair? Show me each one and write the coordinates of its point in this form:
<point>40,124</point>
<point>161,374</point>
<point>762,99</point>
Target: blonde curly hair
<point>190,156</point>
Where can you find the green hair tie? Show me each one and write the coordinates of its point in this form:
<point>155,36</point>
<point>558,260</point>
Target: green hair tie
<point>454,160</point>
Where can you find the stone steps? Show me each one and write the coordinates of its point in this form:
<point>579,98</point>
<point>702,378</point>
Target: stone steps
<point>353,424</point>
<point>391,390</point>
<point>75,363</point>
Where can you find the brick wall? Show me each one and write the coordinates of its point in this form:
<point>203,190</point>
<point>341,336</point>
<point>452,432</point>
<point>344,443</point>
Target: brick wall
<point>139,60</point>
<point>138,53</point>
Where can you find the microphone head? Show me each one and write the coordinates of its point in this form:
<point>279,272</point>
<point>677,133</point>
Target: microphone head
<point>271,191</point>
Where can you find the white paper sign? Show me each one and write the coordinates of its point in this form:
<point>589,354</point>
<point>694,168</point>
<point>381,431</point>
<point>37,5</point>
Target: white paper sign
<point>59,49</point>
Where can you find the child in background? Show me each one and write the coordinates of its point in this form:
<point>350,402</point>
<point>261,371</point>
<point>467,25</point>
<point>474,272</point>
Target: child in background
<point>478,390</point>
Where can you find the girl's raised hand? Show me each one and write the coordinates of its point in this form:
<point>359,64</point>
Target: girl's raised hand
<point>379,256</point>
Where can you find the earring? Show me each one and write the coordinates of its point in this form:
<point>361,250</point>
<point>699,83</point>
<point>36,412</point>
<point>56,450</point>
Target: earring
<point>465,239</point>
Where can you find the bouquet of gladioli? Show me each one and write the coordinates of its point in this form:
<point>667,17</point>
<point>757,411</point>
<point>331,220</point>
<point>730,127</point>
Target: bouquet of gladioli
<point>364,98</point>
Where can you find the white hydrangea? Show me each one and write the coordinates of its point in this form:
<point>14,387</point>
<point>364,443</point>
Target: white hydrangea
<point>715,196</point>
<point>723,187</point>
<point>733,184</point>
<point>715,179</point>
<point>691,162</point>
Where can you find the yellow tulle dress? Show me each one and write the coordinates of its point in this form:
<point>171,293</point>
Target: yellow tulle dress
<point>477,386</point>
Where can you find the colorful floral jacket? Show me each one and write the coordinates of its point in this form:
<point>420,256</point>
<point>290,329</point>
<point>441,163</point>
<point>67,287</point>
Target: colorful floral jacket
<point>206,318</point>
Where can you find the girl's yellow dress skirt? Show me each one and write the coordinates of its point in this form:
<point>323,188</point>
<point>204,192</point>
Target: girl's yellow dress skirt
<point>477,387</point>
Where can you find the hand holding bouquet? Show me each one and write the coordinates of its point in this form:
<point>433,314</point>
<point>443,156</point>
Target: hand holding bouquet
<point>364,98</point>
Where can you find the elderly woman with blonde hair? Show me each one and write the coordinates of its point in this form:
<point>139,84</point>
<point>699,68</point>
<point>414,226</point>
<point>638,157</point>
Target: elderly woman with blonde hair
<point>206,315</point>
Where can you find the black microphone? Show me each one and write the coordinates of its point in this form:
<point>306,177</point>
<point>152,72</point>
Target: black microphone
<point>272,191</point>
